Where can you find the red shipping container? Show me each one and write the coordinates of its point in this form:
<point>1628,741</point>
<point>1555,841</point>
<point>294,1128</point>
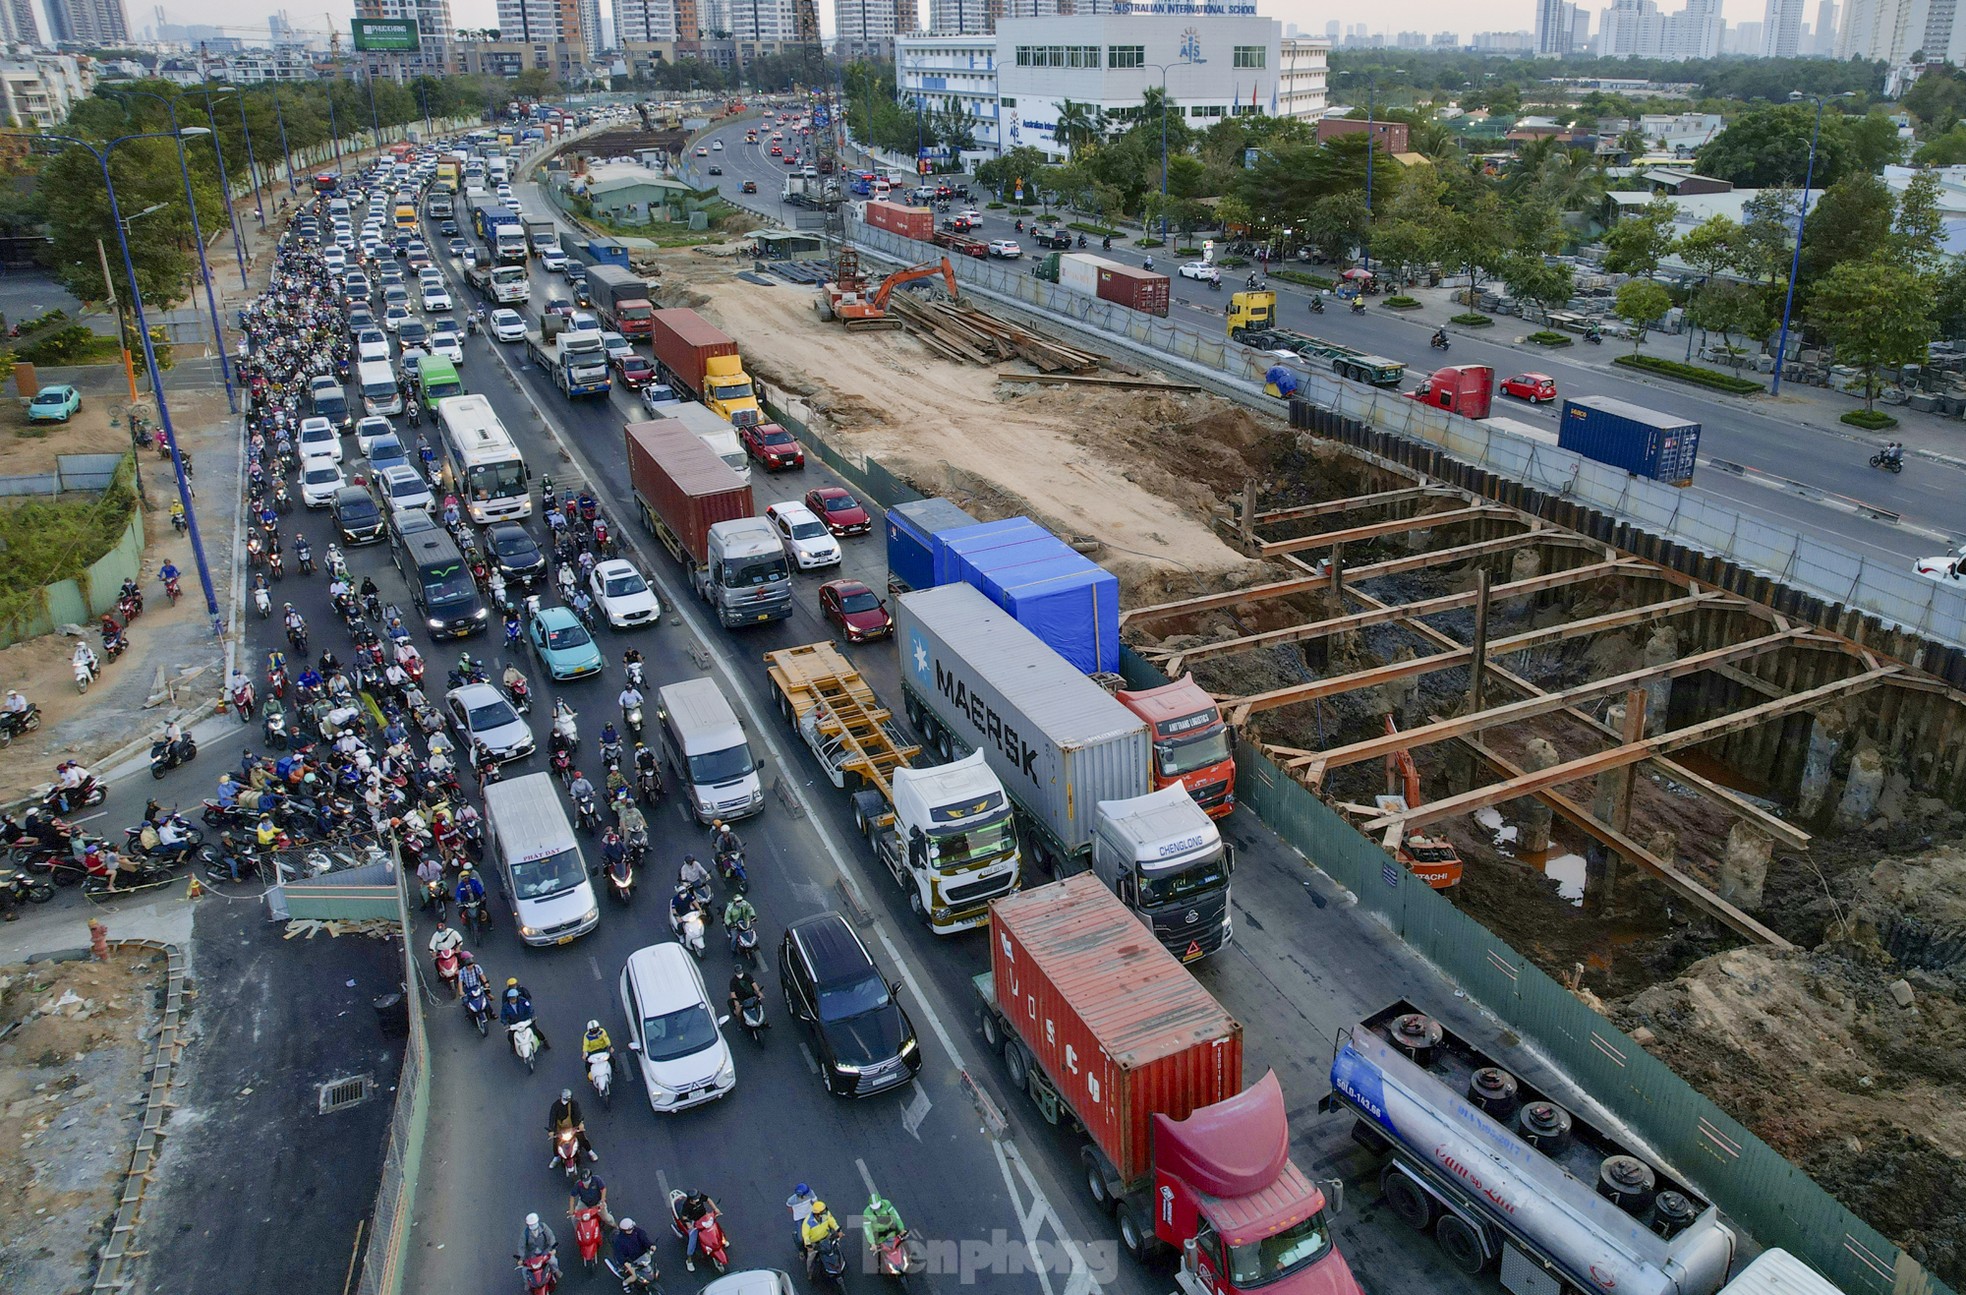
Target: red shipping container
<point>1136,289</point>
<point>683,342</point>
<point>909,222</point>
<point>682,486</point>
<point>1120,1027</point>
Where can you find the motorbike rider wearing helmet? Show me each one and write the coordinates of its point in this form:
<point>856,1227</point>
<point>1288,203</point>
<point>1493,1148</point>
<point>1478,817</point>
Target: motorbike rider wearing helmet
<point>693,874</point>
<point>744,985</point>
<point>538,1239</point>
<point>819,1224</point>
<point>632,1247</point>
<point>589,1192</point>
<point>693,1210</point>
<point>723,840</point>
<point>594,1040</point>
<point>738,914</point>
<point>517,1007</point>
<point>565,1114</point>
<point>880,1220</point>
<point>471,977</point>
<point>469,888</point>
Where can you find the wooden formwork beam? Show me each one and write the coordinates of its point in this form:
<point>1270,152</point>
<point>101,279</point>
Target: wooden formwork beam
<point>1631,753</point>
<point>1354,502</point>
<point>1241,708</point>
<point>1375,530</point>
<point>1178,660</point>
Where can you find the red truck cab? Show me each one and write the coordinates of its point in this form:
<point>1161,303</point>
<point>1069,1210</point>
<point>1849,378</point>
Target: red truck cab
<point>1193,745</point>
<point>1464,389</point>
<point>1242,1215</point>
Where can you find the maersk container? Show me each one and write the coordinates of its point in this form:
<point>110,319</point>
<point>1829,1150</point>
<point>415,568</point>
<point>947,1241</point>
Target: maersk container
<point>912,529</point>
<point>1056,592</point>
<point>977,680</point>
<point>1664,447</point>
<point>1079,272</point>
<point>1123,1029</point>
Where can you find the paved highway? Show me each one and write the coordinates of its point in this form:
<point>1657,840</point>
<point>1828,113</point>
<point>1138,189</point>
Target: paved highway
<point>1763,436</point>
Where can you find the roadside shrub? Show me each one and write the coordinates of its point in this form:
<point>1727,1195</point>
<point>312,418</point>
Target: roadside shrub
<point>1401,303</point>
<point>1472,319</point>
<point>1712,379</point>
<point>1545,337</point>
<point>1871,420</point>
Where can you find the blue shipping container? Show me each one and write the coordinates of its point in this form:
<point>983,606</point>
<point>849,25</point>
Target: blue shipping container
<point>1056,592</point>
<point>911,532</point>
<point>1664,447</point>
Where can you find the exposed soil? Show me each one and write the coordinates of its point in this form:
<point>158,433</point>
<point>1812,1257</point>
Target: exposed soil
<point>71,1086</point>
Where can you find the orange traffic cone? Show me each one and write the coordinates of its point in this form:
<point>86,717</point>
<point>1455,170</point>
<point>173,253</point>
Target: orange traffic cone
<point>193,890</point>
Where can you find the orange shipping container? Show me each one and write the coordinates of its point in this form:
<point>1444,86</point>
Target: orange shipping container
<point>909,222</point>
<point>1121,1028</point>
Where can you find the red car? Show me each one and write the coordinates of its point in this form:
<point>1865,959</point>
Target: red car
<point>772,446</point>
<point>776,151</point>
<point>1533,387</point>
<point>852,606</point>
<point>840,511</point>
<point>634,371</point>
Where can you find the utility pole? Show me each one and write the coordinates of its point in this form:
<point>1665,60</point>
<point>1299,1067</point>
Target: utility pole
<point>122,325</point>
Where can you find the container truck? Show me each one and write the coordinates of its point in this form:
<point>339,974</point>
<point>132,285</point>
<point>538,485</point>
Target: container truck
<point>943,833</point>
<point>1644,442</point>
<point>974,679</point>
<point>1194,747</point>
<point>1105,1029</point>
<point>1345,361</point>
<point>623,299</point>
<point>1095,276</point>
<point>909,222</point>
<point>541,235</point>
<point>1500,1172</point>
<point>1066,599</point>
<point>699,361</point>
<point>1168,863</point>
<point>1464,389</point>
<point>701,512</point>
<point>960,244</point>
<point>911,532</point>
<point>503,235</point>
<point>577,360</point>
<point>713,431</point>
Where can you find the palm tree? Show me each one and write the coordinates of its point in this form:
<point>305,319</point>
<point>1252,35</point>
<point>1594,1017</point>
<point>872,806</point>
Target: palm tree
<point>1078,125</point>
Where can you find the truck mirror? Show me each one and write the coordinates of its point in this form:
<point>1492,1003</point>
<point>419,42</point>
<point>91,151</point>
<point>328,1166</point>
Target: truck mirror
<point>1334,1194</point>
<point>1189,1251</point>
<point>1228,858</point>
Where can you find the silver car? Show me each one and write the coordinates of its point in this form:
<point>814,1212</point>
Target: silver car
<point>478,712</point>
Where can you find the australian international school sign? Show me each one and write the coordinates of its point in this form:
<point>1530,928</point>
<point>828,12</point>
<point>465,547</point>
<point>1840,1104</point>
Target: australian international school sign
<point>1173,8</point>
<point>386,35</point>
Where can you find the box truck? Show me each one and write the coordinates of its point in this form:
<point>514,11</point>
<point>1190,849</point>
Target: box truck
<point>692,502</point>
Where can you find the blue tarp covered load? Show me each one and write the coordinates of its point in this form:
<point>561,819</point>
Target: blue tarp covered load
<point>911,531</point>
<point>1284,380</point>
<point>1057,593</point>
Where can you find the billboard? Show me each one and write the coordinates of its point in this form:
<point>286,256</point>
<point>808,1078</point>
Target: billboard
<point>390,35</point>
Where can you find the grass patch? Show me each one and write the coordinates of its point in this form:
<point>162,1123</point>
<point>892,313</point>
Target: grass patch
<point>1472,319</point>
<point>1148,242</point>
<point>993,206</point>
<point>1871,420</point>
<point>1712,379</point>
<point>1103,231</point>
<point>48,540</point>
<point>1020,211</point>
<point>1401,303</point>
<point>1544,337</point>
<point>1187,251</point>
<point>1301,279</point>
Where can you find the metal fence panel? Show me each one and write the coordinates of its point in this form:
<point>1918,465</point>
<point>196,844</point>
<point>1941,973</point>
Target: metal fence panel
<point>402,1163</point>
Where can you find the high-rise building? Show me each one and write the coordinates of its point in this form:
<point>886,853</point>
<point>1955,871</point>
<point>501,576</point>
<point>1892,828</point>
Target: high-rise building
<point>88,22</point>
<point>1781,29</point>
<point>17,23</point>
<point>870,26</point>
<point>1744,39</point>
<point>541,21</point>
<point>1886,30</point>
<point>651,21</point>
<point>1553,28</point>
<point>1636,29</point>
<point>590,25</point>
<point>433,37</point>
<point>1824,44</point>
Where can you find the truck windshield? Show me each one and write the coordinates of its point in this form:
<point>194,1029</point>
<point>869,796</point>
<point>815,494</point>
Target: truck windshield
<point>637,312</point>
<point>543,878</point>
<point>1262,1262</point>
<point>740,573</point>
<point>730,391</point>
<point>1180,755</point>
<point>973,842</point>
<point>1180,887</point>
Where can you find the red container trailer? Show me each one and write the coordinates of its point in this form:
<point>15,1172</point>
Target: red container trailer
<point>909,222</point>
<point>1100,1024</point>
<point>1134,288</point>
<point>681,487</point>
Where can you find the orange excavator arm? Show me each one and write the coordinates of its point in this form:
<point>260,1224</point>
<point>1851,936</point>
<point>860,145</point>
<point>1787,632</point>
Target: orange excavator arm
<point>926,270</point>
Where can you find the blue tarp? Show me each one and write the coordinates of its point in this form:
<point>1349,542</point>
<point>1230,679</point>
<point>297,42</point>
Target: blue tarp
<point>911,532</point>
<point>1057,593</point>
<point>1284,380</point>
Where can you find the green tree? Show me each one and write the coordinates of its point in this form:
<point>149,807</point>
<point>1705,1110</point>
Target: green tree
<point>1638,242</point>
<point>1918,233</point>
<point>1771,146</point>
<point>1638,303</point>
<point>1079,126</point>
<point>1768,234</point>
<point>1877,314</point>
<point>1874,143</point>
<point>1713,245</point>
<point>1727,307</point>
<point>1949,299</point>
<point>1472,239</point>
<point>1532,278</point>
<point>1948,149</point>
<point>1850,222</point>
<point>1337,224</point>
<point>1404,246</point>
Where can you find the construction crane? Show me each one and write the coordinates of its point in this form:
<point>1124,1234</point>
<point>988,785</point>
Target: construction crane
<point>1430,858</point>
<point>846,298</point>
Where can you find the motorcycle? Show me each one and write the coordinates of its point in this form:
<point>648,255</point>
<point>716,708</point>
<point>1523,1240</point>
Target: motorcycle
<point>744,944</point>
<point>447,965</point>
<point>828,1263</point>
<point>15,723</point>
<point>600,1076</point>
<point>521,696</point>
<point>587,814</point>
<point>751,1011</point>
<point>649,784</point>
<point>1358,305</point>
<point>730,865</point>
<point>1594,337</point>
<point>275,723</point>
<point>473,915</point>
<point>688,930</point>
<point>435,898</point>
<point>142,876</point>
<point>641,1275</point>
<point>587,1235</point>
<point>1885,461</point>
<point>897,1258</point>
<point>634,669</point>
<point>28,890</point>
<point>66,800</point>
<point>1438,341</point>
<point>566,1153</point>
<point>172,590</point>
<point>262,601</point>
<point>540,1277</point>
<point>166,755</point>
<point>85,674</point>
<point>633,718</point>
<point>710,1240</point>
<point>525,1042</point>
<point>621,883</point>
<point>477,1006</point>
<point>1317,305</point>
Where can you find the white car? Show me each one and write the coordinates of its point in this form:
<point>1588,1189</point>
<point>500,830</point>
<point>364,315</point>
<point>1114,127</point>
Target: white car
<point>508,326</point>
<point>429,276</point>
<point>478,712</point>
<point>335,259</point>
<point>617,346</point>
<point>394,317</point>
<point>448,344</point>
<point>1946,568</point>
<point>368,429</point>
<point>673,1031</point>
<point>371,344</point>
<point>624,597</point>
<point>504,190</point>
<point>401,488</point>
<point>553,261</point>
<point>320,478</point>
<point>807,541</point>
<point>583,319</point>
<point>319,440</point>
<point>1005,249</point>
<point>435,298</point>
<point>716,146</point>
<point>1201,270</point>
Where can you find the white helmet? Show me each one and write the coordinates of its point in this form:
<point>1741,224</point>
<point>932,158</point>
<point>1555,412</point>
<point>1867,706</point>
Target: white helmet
<point>627,1225</point>
<point>532,1220</point>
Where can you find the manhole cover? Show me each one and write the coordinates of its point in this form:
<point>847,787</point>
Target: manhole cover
<point>340,1094</point>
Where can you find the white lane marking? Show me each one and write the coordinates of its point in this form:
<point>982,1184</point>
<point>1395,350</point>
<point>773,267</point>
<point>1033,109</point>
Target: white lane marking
<point>662,1183</point>
<point>1029,1221</point>
<point>594,963</point>
<point>866,1177</point>
<point>915,1112</point>
<point>812,1062</point>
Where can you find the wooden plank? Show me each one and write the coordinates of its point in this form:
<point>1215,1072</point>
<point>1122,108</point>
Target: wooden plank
<point>1353,502</point>
<point>1374,530</point>
<point>1090,380</point>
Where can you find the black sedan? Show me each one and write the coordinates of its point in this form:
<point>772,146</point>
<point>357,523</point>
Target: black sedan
<point>515,554</point>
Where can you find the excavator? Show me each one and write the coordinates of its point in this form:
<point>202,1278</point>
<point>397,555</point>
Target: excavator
<point>1430,858</point>
<point>846,296</point>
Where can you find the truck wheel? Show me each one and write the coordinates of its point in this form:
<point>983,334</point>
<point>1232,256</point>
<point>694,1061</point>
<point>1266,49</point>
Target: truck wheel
<point>1095,1180</point>
<point>1136,1235</point>
<point>1414,1207</point>
<point>785,710</point>
<point>913,709</point>
<point>991,1030</point>
<point>1460,1243</point>
<point>944,749</point>
<point>1016,1066</point>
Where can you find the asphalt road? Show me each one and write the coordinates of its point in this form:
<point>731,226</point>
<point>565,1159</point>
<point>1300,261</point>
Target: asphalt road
<point>1760,437</point>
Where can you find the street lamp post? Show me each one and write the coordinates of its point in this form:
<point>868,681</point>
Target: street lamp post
<point>1162,68</point>
<point>1795,260</point>
<point>1365,244</point>
<point>150,359</point>
<point>225,188</point>
<point>334,127</point>
<point>286,149</point>
<point>252,163</point>
<point>198,238</point>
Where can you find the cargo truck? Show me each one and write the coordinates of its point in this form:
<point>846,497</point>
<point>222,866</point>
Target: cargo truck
<point>1168,863</point>
<point>504,237</point>
<point>508,285</point>
<point>700,362</point>
<point>1464,389</point>
<point>1106,1030</point>
<point>577,360</point>
<point>912,529</point>
<point>960,244</point>
<point>623,299</point>
<point>1502,1174</point>
<point>701,512</point>
<point>974,679</point>
<point>1194,747</point>
<point>1069,601</point>
<point>541,235</point>
<point>1095,276</point>
<point>713,431</point>
<point>1644,442</point>
<point>1345,361</point>
<point>944,833</point>
<point>449,173</point>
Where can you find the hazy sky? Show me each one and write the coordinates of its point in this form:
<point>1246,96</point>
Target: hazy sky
<point>1388,15</point>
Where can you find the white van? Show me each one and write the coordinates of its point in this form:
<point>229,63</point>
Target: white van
<point>538,858</point>
<point>706,748</point>
<point>380,395</point>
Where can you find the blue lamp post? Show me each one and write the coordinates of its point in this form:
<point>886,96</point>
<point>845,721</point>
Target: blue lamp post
<point>252,164</point>
<point>1187,60</point>
<point>225,187</point>
<point>1795,260</point>
<point>286,149</point>
<point>101,156</point>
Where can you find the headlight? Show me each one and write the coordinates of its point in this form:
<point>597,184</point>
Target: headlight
<point>480,614</point>
<point>591,915</point>
<point>728,1075</point>
<point>844,1069</point>
<point>939,913</point>
<point>436,622</point>
<point>908,1046</point>
<point>660,1095</point>
<point>527,930</point>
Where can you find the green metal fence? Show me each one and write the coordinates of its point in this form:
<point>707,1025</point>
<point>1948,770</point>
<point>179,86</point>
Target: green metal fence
<point>866,474</point>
